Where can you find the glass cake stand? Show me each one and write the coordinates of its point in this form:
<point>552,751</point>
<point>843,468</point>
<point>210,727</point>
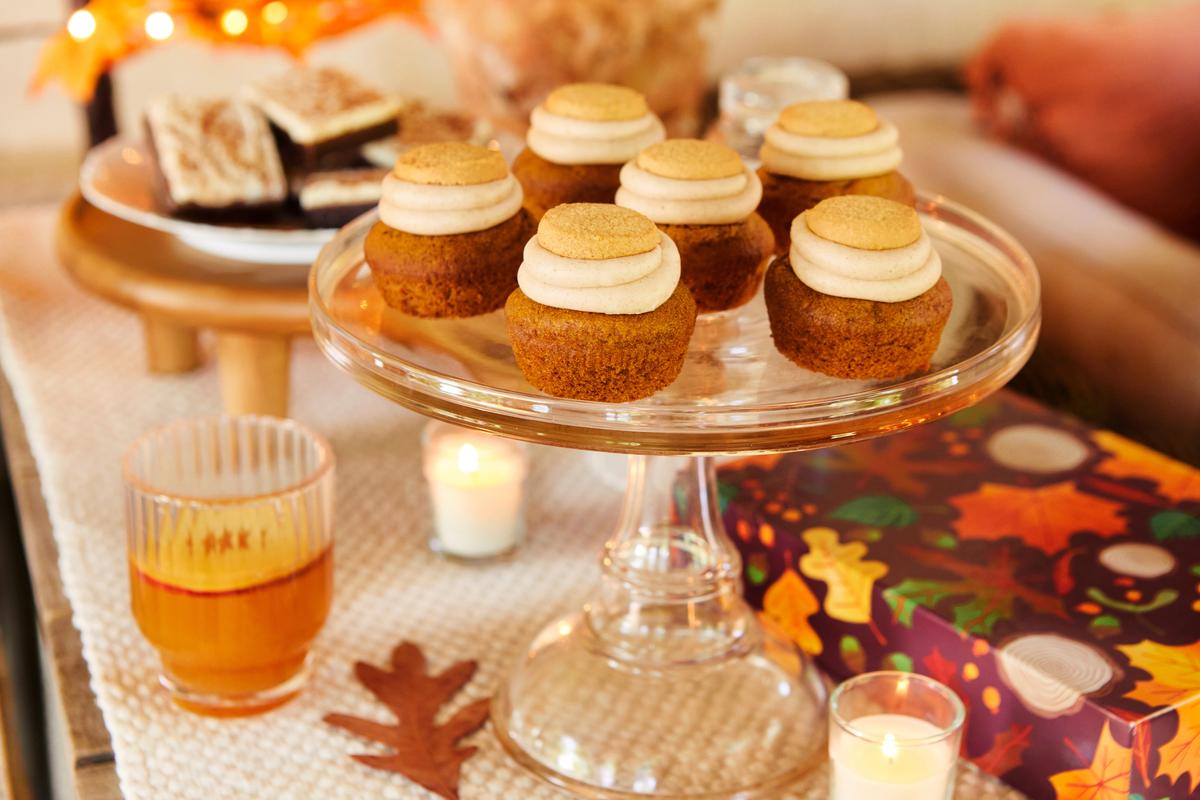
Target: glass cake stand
<point>664,684</point>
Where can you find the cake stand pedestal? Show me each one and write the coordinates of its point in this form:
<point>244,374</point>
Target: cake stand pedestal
<point>664,684</point>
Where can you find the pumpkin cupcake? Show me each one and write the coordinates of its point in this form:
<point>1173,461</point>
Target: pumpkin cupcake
<point>702,196</point>
<point>600,313</point>
<point>860,293</point>
<point>827,148</point>
<point>450,233</point>
<point>578,139</point>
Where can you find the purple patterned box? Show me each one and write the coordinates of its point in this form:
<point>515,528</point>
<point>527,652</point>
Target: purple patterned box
<point>1048,572</point>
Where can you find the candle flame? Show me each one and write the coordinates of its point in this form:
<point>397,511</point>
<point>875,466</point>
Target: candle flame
<point>890,750</point>
<point>468,458</point>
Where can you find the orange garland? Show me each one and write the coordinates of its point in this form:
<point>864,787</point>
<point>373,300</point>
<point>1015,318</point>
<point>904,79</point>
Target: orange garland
<point>104,32</point>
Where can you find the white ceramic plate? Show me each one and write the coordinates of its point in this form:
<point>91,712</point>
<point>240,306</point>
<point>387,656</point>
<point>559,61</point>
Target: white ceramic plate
<point>116,177</point>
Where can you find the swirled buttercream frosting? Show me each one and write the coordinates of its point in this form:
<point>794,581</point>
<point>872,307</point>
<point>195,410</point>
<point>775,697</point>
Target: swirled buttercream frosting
<point>887,275</point>
<point>448,188</point>
<point>565,267</point>
<point>592,123</point>
<point>830,141</point>
<point>689,182</point>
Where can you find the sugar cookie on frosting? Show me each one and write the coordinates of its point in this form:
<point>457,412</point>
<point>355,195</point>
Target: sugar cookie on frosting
<point>603,102</point>
<point>827,148</point>
<point>450,164</point>
<point>578,139</point>
<point>596,230</point>
<point>600,313</point>
<point>829,118</point>
<point>451,232</point>
<point>866,223</point>
<point>860,294</point>
<point>703,196</point>
<point>691,159</point>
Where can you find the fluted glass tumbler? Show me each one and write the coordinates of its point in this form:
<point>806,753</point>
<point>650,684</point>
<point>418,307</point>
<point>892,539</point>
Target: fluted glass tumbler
<point>230,523</point>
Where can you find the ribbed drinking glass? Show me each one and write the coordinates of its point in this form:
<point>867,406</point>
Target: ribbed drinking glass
<point>230,523</point>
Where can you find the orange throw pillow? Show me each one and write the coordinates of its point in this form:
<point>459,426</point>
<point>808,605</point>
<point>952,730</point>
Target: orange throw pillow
<point>1114,99</point>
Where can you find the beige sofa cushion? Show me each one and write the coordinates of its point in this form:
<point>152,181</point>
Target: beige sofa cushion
<point>1120,294</point>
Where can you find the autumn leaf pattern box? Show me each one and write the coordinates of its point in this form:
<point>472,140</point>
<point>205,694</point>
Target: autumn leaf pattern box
<point>1047,572</point>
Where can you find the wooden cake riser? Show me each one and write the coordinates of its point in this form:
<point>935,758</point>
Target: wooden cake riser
<point>179,292</point>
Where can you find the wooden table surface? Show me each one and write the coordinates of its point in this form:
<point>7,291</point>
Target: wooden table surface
<point>88,747</point>
<point>8,758</point>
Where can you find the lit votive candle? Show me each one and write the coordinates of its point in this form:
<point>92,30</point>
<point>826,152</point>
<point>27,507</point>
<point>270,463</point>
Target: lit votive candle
<point>477,487</point>
<point>893,736</point>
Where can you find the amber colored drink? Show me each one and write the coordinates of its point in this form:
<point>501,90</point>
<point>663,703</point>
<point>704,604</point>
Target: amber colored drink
<point>235,641</point>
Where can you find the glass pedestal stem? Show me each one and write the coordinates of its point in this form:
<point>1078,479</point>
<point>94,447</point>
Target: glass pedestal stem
<point>671,578</point>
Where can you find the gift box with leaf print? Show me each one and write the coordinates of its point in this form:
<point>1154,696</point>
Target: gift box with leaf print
<point>1049,573</point>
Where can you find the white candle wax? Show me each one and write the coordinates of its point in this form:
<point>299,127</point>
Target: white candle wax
<point>885,767</point>
<point>476,485</point>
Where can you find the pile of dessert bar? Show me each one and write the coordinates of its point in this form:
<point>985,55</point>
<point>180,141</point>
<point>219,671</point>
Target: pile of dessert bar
<point>305,148</point>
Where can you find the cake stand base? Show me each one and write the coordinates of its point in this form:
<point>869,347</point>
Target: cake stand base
<point>665,685</point>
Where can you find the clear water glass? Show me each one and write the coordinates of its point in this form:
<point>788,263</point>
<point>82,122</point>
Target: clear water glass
<point>752,95</point>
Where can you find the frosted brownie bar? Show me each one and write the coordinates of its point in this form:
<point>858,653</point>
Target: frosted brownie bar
<point>213,155</point>
<point>331,199</point>
<point>420,126</point>
<point>320,114</point>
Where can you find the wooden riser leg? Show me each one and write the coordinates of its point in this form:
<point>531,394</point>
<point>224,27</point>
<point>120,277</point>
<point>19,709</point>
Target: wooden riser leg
<point>170,347</point>
<point>254,372</point>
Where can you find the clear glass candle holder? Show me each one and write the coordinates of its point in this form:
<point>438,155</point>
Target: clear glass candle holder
<point>477,491</point>
<point>230,523</point>
<point>752,96</point>
<point>894,736</point>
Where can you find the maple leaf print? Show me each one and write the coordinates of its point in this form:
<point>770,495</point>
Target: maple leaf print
<point>904,463</point>
<point>1106,778</point>
<point>1174,682</point>
<point>985,593</point>
<point>1174,480</point>
<point>1007,750</point>
<point>1043,517</point>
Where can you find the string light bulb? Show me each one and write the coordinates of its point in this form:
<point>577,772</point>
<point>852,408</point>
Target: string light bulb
<point>275,12</point>
<point>234,22</point>
<point>81,25</point>
<point>159,26</point>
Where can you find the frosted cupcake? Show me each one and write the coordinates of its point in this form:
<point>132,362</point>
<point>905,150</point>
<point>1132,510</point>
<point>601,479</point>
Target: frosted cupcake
<point>600,313</point>
<point>577,141</point>
<point>451,232</point>
<point>703,197</point>
<point>860,293</point>
<point>827,148</point>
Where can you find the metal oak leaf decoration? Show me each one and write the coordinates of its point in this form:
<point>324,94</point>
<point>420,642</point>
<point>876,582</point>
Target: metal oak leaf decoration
<point>422,751</point>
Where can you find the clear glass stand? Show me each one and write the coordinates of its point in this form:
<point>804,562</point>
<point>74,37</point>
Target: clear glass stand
<point>665,685</point>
